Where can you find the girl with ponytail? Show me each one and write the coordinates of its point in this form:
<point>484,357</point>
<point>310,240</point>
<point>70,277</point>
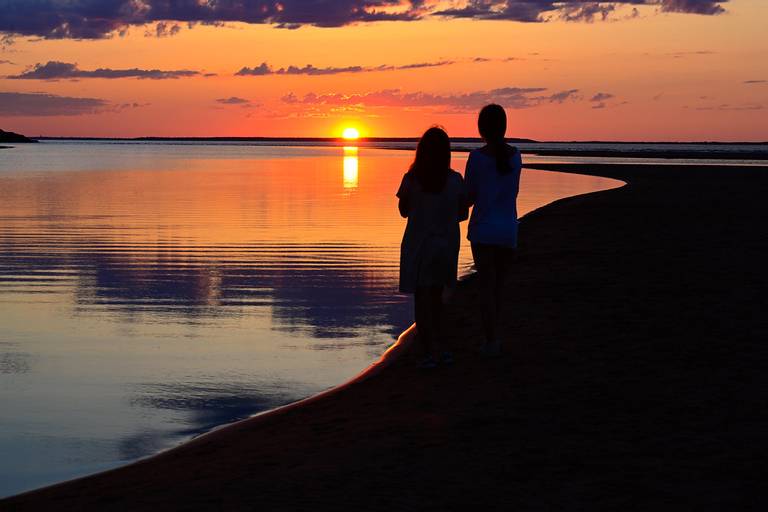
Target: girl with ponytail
<point>492,179</point>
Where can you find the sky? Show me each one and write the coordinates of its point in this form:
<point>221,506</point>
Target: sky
<point>649,70</point>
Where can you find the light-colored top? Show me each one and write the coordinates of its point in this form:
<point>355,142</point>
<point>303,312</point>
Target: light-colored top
<point>494,195</point>
<point>429,253</point>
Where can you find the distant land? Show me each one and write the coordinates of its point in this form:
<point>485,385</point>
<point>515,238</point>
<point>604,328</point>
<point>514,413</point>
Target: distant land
<point>617,149</point>
<point>392,139</point>
<point>14,137</point>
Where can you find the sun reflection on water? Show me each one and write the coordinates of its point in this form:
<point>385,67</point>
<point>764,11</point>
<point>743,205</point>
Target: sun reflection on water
<point>351,167</point>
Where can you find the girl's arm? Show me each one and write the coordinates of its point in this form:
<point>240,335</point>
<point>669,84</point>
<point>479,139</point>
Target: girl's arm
<point>463,203</point>
<point>403,194</point>
<point>403,206</point>
<point>469,183</point>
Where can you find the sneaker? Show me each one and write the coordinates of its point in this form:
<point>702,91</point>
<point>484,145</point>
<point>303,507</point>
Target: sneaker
<point>428,363</point>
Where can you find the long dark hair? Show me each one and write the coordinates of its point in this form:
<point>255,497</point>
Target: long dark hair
<point>432,163</point>
<point>492,125</point>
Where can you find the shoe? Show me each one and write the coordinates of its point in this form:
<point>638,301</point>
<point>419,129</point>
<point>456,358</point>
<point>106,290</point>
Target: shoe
<point>428,363</point>
<point>446,358</point>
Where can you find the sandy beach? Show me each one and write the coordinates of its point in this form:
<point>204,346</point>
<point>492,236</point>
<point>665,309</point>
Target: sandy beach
<point>633,378</point>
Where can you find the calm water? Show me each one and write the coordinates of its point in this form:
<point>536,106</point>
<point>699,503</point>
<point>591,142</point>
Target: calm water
<point>150,292</point>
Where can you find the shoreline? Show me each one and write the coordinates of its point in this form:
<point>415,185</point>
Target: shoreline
<point>398,349</point>
<point>402,397</point>
<point>391,354</point>
<point>671,151</point>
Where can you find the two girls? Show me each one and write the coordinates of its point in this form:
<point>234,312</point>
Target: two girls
<point>435,199</point>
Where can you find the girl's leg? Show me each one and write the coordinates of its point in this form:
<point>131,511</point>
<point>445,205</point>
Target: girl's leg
<point>486,276</point>
<point>502,259</point>
<point>440,343</point>
<point>501,262</point>
<point>436,314</point>
<point>423,315</point>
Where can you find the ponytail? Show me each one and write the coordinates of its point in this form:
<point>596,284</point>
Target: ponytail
<point>492,125</point>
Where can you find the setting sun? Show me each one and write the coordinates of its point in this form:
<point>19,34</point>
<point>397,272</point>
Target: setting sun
<point>351,133</point>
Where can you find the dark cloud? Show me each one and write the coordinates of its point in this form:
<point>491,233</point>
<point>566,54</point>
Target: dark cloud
<point>693,6</point>
<point>756,82</point>
<point>165,29</point>
<point>264,69</point>
<point>234,100</point>
<point>599,99</point>
<point>39,104</point>
<point>569,10</point>
<point>92,19</point>
<point>562,96</point>
<point>510,97</point>
<point>54,70</point>
<point>601,96</point>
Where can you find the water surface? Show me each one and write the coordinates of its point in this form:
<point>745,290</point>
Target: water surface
<point>149,292</point>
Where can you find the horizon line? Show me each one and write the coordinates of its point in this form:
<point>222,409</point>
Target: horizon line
<point>150,138</point>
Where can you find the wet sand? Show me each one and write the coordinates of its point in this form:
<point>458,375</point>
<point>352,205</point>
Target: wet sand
<point>633,378</point>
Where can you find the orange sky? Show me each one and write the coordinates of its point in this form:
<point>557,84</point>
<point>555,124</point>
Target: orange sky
<point>656,76</point>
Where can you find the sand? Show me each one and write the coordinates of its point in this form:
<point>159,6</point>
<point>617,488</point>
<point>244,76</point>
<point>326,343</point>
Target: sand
<point>633,378</point>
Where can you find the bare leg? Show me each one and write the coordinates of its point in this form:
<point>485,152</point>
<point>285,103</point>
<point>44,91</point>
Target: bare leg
<point>423,319</point>
<point>486,275</point>
<point>436,315</point>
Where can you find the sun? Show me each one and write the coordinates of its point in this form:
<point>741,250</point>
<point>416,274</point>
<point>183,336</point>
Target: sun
<point>351,133</point>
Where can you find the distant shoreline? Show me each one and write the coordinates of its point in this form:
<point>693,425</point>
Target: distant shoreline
<point>393,139</point>
<point>637,150</point>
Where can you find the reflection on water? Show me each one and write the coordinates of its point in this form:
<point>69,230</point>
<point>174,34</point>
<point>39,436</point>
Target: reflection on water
<point>351,167</point>
<point>149,292</point>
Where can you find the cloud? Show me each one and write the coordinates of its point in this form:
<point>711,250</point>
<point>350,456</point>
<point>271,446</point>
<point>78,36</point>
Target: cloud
<point>39,104</point>
<point>510,97</point>
<point>752,82</point>
<point>54,70</point>
<point>234,100</point>
<point>264,69</point>
<point>94,19</point>
<point>164,29</point>
<point>726,107</point>
<point>693,6</point>
<point>599,99</point>
<point>681,55</point>
<point>533,11</point>
<point>560,97</point>
<point>7,62</point>
<point>601,96</point>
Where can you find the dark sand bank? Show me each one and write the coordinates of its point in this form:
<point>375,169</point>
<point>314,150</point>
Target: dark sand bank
<point>635,378</point>
<point>671,154</point>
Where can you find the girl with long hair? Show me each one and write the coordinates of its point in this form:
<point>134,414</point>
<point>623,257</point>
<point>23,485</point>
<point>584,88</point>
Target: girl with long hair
<point>492,179</point>
<point>432,198</point>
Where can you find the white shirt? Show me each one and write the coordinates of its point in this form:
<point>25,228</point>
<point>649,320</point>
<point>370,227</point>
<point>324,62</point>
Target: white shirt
<point>494,216</point>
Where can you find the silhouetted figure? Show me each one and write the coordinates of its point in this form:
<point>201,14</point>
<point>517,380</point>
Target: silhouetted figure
<point>492,180</point>
<point>432,197</point>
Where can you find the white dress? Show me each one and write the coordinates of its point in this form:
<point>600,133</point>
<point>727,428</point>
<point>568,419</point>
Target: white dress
<point>429,253</point>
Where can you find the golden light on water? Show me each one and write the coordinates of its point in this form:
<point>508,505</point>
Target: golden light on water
<point>350,133</point>
<point>350,167</point>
